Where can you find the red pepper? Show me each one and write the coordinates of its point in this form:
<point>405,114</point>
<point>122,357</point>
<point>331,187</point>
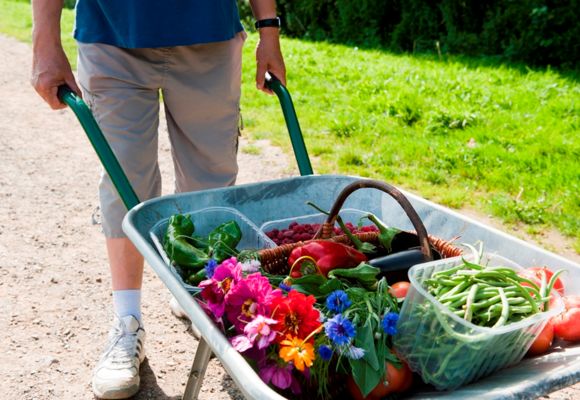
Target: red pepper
<point>327,254</point>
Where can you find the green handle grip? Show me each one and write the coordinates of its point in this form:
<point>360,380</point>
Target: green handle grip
<point>100,144</point>
<point>296,137</point>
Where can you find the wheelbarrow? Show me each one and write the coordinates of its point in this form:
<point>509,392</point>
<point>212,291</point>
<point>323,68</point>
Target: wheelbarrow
<point>261,203</point>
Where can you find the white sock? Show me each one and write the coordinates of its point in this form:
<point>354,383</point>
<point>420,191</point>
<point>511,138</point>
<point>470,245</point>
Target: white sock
<point>127,302</point>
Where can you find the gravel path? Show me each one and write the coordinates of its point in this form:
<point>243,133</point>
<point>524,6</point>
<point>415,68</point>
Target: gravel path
<point>54,285</point>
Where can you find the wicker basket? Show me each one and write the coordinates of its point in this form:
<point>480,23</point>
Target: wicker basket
<point>275,260</point>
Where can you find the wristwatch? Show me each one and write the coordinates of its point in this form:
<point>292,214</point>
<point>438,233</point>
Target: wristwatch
<point>268,23</point>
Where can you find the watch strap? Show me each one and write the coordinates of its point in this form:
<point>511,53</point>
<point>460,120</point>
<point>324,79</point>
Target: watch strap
<point>268,23</point>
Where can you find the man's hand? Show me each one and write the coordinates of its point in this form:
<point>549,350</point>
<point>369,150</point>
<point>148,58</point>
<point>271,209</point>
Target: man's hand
<point>269,58</point>
<point>50,69</point>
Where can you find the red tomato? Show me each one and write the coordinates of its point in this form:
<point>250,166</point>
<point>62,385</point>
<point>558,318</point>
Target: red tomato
<point>399,380</point>
<point>567,324</point>
<point>543,341</point>
<point>535,274</point>
<point>399,289</point>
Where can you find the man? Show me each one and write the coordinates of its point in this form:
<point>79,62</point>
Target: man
<point>129,52</point>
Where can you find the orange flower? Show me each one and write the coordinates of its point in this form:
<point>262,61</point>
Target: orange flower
<point>298,351</point>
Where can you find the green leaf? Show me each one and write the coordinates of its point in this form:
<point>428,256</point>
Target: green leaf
<point>365,339</point>
<point>316,285</point>
<point>369,370</point>
<point>364,273</point>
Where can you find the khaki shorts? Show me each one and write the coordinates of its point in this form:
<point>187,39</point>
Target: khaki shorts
<point>200,87</point>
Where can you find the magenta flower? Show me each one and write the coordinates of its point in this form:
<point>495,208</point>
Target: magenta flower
<point>260,329</point>
<point>248,298</point>
<point>215,290</point>
<point>279,376</point>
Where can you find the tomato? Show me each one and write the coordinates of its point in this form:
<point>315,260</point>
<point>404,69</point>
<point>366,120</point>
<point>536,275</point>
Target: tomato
<point>567,324</point>
<point>399,289</point>
<point>535,274</point>
<point>399,380</point>
<point>543,341</point>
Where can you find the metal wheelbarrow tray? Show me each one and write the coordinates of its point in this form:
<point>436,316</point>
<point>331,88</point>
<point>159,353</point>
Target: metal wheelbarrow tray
<point>285,198</point>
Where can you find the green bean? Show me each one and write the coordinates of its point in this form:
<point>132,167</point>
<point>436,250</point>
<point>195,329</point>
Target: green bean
<point>471,265</point>
<point>503,270</point>
<point>527,295</point>
<point>470,298</point>
<point>443,282</point>
<point>496,299</point>
<point>499,276</point>
<point>550,287</point>
<point>494,284</point>
<point>459,288</point>
<point>516,309</point>
<point>532,284</point>
<point>447,272</point>
<point>505,312</point>
<point>543,286</point>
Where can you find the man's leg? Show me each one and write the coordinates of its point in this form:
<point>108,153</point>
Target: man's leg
<point>202,99</point>
<point>121,88</point>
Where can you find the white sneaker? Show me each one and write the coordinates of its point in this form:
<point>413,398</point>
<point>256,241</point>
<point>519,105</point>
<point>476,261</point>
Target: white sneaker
<point>116,376</point>
<point>178,311</point>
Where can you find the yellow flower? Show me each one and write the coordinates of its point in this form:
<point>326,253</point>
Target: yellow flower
<point>298,351</point>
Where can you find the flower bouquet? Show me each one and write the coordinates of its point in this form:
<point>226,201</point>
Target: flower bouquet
<point>306,331</point>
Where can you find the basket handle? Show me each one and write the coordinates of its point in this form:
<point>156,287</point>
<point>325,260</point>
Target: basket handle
<point>395,194</point>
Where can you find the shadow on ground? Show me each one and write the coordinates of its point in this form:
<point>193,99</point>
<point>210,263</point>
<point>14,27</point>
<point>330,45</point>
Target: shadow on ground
<point>149,387</point>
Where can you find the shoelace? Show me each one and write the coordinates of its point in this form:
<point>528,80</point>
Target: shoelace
<point>121,346</point>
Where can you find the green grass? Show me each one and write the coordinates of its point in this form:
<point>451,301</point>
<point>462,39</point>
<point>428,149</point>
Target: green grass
<point>16,21</point>
<point>463,132</point>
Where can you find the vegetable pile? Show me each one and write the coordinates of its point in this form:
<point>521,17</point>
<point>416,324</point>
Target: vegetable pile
<point>190,253</point>
<point>334,319</point>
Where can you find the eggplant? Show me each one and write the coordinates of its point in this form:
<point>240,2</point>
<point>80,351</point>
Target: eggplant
<point>394,266</point>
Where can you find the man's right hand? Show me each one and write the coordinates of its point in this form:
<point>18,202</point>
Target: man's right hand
<point>51,69</point>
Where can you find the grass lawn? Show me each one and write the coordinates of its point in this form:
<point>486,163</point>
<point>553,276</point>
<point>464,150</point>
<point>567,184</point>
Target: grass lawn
<point>503,139</point>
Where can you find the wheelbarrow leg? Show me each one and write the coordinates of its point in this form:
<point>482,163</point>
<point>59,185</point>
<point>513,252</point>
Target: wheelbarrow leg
<point>198,369</point>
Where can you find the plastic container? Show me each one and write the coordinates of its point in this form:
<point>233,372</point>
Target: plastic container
<point>205,220</point>
<point>351,215</point>
<point>448,351</point>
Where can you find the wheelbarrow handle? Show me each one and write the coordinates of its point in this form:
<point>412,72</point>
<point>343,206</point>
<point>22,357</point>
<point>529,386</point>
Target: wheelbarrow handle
<point>100,144</point>
<point>274,84</point>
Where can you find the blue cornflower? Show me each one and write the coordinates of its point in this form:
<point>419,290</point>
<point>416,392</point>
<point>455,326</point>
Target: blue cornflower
<point>338,301</point>
<point>339,329</point>
<point>354,353</point>
<point>210,268</point>
<point>285,287</point>
<point>325,352</point>
<point>389,323</point>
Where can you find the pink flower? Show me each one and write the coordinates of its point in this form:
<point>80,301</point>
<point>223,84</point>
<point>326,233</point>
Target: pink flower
<point>215,290</point>
<point>248,298</point>
<point>280,376</point>
<point>260,328</point>
<point>241,343</point>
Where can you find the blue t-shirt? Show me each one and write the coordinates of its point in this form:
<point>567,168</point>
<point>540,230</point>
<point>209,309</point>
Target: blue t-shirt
<point>156,23</point>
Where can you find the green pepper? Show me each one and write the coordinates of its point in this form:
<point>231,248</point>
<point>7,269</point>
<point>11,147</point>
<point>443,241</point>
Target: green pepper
<point>386,234</point>
<point>364,247</point>
<point>223,240</point>
<point>195,278</point>
<point>364,273</point>
<point>177,245</point>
